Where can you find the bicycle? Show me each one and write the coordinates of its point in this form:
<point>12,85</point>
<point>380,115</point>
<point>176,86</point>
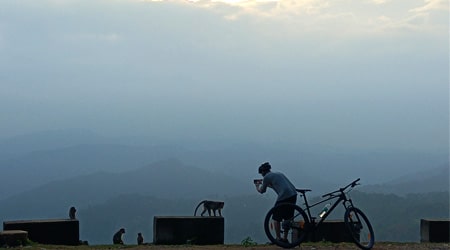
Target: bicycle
<point>298,227</point>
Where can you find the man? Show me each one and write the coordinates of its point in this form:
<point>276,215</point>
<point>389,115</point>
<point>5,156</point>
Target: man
<point>286,194</point>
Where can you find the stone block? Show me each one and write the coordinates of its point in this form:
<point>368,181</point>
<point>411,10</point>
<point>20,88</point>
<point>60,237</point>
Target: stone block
<point>177,230</point>
<point>55,231</point>
<point>436,230</point>
<point>332,231</point>
<point>12,238</point>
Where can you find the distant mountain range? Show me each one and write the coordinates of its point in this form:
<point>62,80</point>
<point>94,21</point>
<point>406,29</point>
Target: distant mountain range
<point>172,180</point>
<point>169,179</point>
<point>53,171</point>
<point>40,167</point>
<point>30,161</point>
<point>430,180</point>
<point>107,201</point>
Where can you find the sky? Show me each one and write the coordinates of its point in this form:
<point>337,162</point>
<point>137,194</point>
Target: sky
<point>344,73</point>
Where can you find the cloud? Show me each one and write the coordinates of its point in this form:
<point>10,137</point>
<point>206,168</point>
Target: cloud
<point>430,17</point>
<point>353,16</point>
<point>270,8</point>
<point>150,64</point>
<point>431,5</point>
<point>379,1</point>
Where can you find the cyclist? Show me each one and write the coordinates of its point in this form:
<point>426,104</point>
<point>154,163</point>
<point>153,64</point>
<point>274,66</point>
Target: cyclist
<point>286,194</point>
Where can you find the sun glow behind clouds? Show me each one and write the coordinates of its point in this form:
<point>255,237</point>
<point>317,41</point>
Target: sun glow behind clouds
<point>238,2</point>
<point>349,16</point>
<point>247,5</point>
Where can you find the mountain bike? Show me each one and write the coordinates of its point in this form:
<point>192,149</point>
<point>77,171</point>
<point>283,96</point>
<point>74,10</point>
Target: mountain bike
<point>301,225</point>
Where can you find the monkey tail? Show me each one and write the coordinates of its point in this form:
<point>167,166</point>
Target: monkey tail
<point>199,204</point>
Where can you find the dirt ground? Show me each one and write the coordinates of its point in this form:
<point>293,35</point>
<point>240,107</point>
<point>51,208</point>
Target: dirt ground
<point>346,246</point>
<point>305,246</point>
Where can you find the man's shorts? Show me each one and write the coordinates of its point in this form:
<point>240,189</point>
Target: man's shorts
<point>284,212</point>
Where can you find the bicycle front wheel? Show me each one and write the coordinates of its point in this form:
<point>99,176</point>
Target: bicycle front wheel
<point>286,225</point>
<point>359,227</point>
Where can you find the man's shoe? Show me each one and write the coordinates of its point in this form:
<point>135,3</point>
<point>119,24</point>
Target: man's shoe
<point>283,240</point>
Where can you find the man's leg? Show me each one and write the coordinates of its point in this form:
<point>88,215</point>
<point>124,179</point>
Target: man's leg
<point>287,213</point>
<point>276,224</point>
<point>285,234</point>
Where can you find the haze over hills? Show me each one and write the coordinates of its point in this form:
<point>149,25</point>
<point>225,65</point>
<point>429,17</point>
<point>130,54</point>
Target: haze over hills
<point>37,159</point>
<point>40,167</point>
<point>246,82</point>
<point>115,182</point>
<point>169,179</point>
<point>431,180</point>
<point>107,201</point>
<point>48,140</point>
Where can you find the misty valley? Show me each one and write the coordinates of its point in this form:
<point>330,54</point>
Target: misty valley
<point>123,111</point>
<point>115,184</point>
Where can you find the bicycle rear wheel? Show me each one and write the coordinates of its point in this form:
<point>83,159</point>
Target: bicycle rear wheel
<point>293,230</point>
<point>359,227</point>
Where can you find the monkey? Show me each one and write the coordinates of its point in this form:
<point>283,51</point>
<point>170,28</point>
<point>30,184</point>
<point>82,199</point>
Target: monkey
<point>72,212</point>
<point>117,238</point>
<point>210,205</point>
<point>140,239</point>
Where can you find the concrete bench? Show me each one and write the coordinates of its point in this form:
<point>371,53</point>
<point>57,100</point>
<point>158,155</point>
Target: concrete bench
<point>330,230</point>
<point>12,238</point>
<point>55,231</point>
<point>434,230</point>
<point>333,231</point>
<point>197,230</point>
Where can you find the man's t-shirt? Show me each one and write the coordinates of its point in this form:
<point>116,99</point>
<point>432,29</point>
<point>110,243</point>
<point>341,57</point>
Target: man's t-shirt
<point>280,184</point>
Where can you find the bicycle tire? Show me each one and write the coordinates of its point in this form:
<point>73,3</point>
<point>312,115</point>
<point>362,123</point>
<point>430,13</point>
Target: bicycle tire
<point>359,228</point>
<point>296,227</point>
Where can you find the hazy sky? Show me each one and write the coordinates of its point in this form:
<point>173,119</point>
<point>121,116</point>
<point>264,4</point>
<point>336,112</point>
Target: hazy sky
<point>348,73</point>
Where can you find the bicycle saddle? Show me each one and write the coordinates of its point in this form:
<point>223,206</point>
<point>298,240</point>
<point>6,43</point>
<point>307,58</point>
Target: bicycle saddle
<point>303,191</point>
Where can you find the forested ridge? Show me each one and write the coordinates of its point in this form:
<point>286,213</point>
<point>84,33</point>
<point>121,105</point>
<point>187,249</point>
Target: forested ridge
<point>394,218</point>
<point>109,201</point>
<point>113,184</point>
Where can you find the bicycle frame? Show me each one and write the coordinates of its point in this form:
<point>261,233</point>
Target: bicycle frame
<point>341,198</point>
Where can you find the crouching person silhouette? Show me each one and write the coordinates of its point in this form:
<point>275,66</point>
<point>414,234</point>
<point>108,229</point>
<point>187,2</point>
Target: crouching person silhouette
<point>117,238</point>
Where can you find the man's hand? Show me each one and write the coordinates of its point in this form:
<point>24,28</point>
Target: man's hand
<point>258,183</point>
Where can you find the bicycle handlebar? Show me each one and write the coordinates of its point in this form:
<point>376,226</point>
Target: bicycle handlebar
<point>352,184</point>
